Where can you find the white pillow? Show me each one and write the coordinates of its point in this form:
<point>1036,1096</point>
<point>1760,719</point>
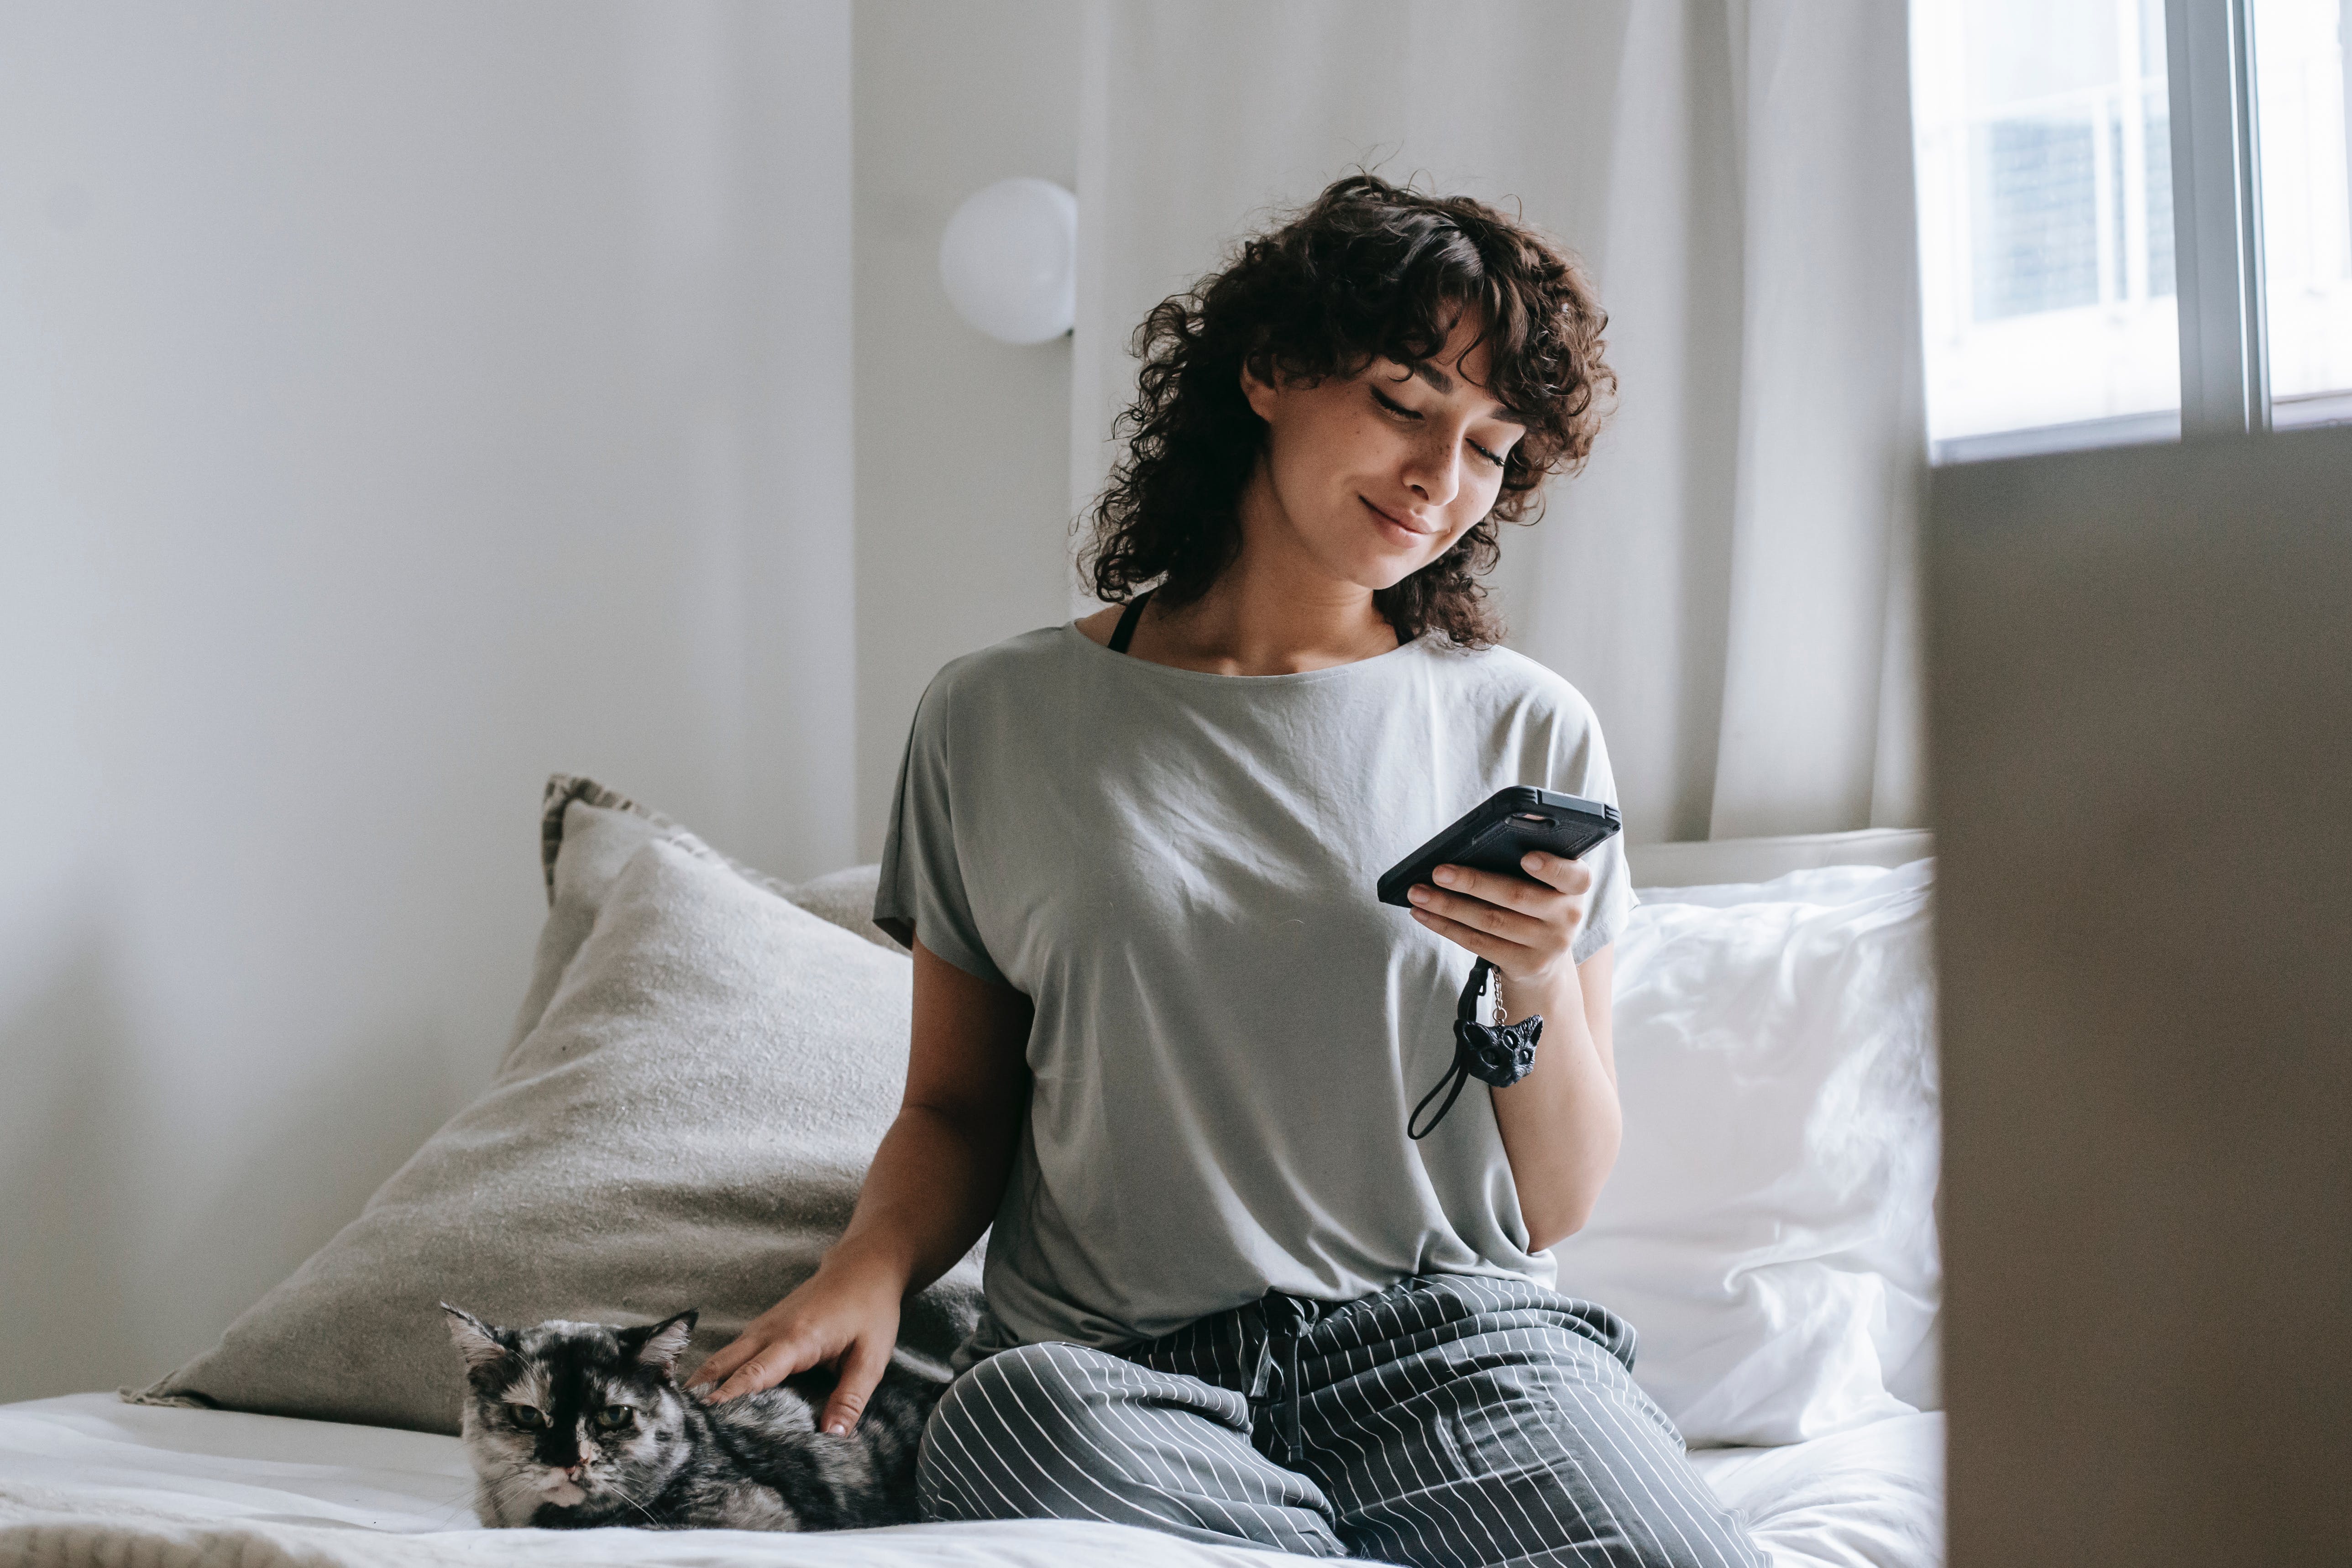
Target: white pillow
<point>1769,1228</point>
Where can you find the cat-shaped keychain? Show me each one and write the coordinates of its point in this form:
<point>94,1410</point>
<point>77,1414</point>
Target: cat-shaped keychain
<point>1497,1053</point>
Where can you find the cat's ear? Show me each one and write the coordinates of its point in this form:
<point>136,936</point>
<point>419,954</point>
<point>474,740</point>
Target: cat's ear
<point>658,1345</point>
<point>476,1340</point>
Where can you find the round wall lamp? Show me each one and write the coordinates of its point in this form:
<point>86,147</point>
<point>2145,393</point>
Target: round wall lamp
<point>1009,261</point>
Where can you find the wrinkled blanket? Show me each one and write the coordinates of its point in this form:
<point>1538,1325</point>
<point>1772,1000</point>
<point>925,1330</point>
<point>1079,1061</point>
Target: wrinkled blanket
<point>88,1480</point>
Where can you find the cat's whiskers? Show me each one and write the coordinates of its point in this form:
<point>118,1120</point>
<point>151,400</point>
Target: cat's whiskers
<point>448,1513</point>
<point>622,1492</point>
<point>512,1488</point>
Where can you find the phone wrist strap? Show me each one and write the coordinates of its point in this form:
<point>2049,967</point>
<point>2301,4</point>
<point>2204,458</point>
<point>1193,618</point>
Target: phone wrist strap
<point>1498,1054</point>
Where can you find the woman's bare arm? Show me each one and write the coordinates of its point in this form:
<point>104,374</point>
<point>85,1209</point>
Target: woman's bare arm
<point>933,1187</point>
<point>940,1170</point>
<point>1561,1123</point>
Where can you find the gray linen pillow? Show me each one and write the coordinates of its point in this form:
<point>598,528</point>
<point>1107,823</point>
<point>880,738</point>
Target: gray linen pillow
<point>697,1081</point>
<point>587,832</point>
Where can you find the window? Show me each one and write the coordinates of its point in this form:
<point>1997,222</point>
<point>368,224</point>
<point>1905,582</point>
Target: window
<point>2067,297</point>
<point>2301,68</point>
<point>2045,207</point>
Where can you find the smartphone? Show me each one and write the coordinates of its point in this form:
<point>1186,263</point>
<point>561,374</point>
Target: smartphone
<point>1493,834</point>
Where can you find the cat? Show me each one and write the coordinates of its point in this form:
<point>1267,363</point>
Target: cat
<point>578,1426</point>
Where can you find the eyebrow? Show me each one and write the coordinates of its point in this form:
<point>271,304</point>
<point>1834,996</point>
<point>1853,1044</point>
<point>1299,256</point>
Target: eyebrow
<point>1443,383</point>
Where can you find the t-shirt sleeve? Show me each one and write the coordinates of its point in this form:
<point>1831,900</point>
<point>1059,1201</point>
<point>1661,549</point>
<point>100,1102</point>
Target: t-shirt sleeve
<point>1580,766</point>
<point>922,883</point>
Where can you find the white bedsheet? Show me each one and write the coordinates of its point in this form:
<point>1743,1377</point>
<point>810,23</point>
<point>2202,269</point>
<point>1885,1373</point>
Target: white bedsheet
<point>87,1479</point>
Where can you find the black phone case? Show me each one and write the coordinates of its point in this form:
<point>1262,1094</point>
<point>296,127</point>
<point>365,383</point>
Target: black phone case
<point>1493,834</point>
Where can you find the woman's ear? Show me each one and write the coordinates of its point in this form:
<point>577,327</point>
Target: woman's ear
<point>1262,395</point>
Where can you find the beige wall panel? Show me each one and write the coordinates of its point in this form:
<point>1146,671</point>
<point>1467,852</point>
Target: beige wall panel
<point>2141,710</point>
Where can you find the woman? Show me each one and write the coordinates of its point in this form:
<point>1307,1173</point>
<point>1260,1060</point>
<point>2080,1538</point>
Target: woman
<point>1165,1038</point>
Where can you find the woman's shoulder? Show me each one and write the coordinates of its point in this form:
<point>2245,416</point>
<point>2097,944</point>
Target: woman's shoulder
<point>1529,707</point>
<point>1008,668</point>
<point>1100,626</point>
<point>1505,678</point>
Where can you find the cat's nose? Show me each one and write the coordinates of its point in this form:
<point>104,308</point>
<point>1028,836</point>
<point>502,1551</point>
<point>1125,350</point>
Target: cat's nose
<point>573,1472</point>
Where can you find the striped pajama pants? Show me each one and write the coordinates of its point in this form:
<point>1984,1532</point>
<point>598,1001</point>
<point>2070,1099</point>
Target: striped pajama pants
<point>1448,1419</point>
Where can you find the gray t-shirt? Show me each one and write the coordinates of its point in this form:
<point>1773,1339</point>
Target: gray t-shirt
<point>1177,869</point>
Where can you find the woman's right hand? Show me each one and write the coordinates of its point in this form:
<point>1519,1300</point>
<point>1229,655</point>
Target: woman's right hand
<point>845,1315</point>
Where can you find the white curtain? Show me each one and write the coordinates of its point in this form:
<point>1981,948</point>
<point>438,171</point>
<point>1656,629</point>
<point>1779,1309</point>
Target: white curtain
<point>1729,580</point>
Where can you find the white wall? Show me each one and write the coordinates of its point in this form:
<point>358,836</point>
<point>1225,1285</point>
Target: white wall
<point>397,403</point>
<point>963,507</point>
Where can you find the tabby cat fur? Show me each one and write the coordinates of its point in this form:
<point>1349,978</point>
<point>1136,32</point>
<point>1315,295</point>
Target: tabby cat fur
<point>579,1426</point>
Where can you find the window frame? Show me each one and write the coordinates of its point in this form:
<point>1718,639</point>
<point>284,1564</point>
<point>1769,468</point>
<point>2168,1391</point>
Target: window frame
<point>2218,279</point>
<point>2217,217</point>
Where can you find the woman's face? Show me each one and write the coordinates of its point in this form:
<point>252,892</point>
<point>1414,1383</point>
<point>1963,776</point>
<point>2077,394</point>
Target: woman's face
<point>1376,474</point>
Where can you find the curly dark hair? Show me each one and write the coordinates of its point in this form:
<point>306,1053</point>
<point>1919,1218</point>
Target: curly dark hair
<point>1366,270</point>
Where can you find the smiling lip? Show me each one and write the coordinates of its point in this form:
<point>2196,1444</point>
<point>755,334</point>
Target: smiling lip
<point>1398,521</point>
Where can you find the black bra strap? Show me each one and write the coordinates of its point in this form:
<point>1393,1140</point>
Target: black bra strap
<point>1125,631</point>
<point>1134,612</point>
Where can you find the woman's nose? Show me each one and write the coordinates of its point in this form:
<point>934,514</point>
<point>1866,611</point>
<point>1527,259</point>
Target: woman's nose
<point>1434,473</point>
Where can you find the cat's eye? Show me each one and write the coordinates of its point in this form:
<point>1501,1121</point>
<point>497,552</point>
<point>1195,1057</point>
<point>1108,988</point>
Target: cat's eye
<point>613,1417</point>
<point>528,1416</point>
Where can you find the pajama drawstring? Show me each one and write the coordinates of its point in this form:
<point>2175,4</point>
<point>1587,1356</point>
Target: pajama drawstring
<point>1285,1318</point>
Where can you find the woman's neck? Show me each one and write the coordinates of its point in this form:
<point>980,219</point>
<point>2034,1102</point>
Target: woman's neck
<point>1275,610</point>
<point>1254,626</point>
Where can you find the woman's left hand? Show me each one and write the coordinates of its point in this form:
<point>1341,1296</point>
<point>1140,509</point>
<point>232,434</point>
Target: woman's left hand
<point>1524,928</point>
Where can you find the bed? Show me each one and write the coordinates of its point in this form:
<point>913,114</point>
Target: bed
<point>1803,1373</point>
<point>87,1480</point>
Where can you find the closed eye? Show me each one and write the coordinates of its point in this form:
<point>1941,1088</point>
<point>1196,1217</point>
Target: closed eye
<point>1399,409</point>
